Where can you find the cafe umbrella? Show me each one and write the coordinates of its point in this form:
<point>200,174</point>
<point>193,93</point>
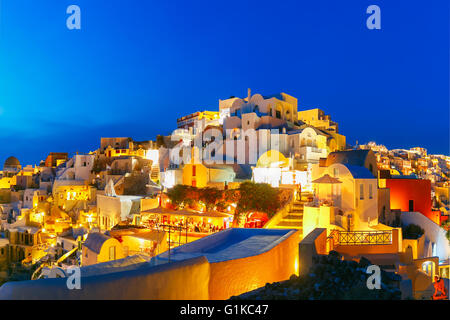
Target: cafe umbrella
<point>326,179</point>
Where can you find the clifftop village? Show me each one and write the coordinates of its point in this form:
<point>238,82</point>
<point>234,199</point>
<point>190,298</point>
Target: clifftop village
<point>252,193</point>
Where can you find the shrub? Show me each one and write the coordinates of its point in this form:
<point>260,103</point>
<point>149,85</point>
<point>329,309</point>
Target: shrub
<point>412,231</point>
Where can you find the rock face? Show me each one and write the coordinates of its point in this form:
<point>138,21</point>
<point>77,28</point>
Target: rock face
<point>330,278</point>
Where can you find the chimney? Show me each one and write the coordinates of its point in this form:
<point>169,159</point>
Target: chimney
<point>249,94</point>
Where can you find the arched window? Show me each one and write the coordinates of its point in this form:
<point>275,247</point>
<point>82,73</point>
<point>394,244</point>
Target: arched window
<point>278,114</point>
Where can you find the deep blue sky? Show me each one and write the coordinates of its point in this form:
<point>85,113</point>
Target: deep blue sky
<point>135,66</point>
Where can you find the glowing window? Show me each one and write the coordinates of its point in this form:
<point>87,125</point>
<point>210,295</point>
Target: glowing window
<point>427,267</point>
<point>112,253</point>
<point>336,172</point>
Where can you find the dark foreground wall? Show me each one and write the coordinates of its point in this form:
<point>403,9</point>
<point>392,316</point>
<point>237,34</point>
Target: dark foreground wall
<point>164,282</point>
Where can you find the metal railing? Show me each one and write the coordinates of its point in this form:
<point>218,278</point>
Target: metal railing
<point>343,238</point>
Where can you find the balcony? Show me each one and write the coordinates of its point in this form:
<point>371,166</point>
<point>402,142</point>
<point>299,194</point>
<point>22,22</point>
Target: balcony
<point>309,153</point>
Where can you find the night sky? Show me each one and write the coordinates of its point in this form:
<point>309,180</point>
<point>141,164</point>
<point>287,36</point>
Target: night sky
<point>135,66</point>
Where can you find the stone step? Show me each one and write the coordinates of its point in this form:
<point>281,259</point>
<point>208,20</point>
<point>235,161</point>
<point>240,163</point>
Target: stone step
<point>297,221</point>
<point>293,216</point>
<point>288,227</point>
<point>290,224</point>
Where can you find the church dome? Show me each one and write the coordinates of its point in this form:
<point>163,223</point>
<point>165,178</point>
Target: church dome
<point>11,162</point>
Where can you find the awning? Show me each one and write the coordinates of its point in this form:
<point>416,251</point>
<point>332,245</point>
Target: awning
<point>186,213</point>
<point>327,179</point>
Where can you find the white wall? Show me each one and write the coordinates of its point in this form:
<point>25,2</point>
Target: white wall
<point>28,198</point>
<point>115,208</point>
<point>83,166</point>
<point>433,232</point>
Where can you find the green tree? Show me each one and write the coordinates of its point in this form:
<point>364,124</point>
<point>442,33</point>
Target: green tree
<point>257,197</point>
<point>178,194</point>
<point>210,196</point>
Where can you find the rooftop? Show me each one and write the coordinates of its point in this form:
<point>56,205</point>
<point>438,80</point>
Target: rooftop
<point>229,244</point>
<point>95,241</point>
<point>359,172</point>
<point>351,157</point>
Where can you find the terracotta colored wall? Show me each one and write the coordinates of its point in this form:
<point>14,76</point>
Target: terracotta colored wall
<point>321,243</point>
<point>403,190</point>
<point>435,216</point>
<point>238,276</point>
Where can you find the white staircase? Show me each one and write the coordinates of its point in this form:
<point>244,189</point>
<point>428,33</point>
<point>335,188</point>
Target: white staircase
<point>154,174</point>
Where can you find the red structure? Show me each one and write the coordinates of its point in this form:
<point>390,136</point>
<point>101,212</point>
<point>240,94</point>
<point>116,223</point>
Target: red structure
<point>440,292</point>
<point>412,195</point>
<point>256,220</point>
<point>54,156</point>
